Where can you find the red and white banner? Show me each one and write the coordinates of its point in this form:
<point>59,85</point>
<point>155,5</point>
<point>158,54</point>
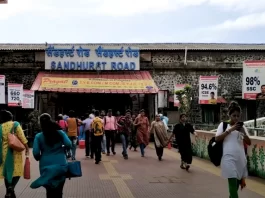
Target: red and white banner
<point>253,79</point>
<point>177,88</point>
<point>2,89</point>
<point>28,99</point>
<point>208,86</point>
<point>15,95</point>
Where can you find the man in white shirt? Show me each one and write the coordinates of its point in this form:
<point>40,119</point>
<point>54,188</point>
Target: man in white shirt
<point>87,128</point>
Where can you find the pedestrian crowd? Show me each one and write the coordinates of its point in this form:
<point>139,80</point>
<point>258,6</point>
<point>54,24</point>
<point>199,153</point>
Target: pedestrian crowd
<point>101,131</point>
<point>55,147</point>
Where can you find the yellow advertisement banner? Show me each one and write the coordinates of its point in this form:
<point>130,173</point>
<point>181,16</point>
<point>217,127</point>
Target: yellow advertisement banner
<point>95,83</point>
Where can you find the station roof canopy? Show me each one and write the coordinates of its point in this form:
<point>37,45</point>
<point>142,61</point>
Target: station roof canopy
<point>141,46</point>
<point>125,82</point>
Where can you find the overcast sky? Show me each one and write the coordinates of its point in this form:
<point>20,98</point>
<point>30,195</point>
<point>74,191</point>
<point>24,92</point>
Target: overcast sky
<point>137,21</point>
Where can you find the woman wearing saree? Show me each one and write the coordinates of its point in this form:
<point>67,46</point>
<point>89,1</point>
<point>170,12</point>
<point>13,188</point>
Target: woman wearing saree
<point>142,124</point>
<point>159,130</point>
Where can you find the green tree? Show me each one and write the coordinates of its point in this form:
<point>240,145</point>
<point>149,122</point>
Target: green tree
<point>185,98</point>
<point>34,126</point>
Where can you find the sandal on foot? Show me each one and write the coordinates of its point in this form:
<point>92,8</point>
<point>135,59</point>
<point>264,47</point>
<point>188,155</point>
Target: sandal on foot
<point>182,166</point>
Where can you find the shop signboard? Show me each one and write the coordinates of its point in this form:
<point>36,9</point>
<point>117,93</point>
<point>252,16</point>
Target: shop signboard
<point>95,83</point>
<point>28,99</point>
<point>208,86</point>
<point>253,78</point>
<point>2,89</point>
<point>92,57</point>
<point>177,88</point>
<point>15,95</point>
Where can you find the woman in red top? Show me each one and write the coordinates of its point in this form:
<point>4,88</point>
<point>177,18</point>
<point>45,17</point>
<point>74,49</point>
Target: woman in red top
<point>142,124</point>
<point>62,123</point>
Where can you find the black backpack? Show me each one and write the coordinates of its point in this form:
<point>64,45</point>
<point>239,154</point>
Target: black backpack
<point>215,149</point>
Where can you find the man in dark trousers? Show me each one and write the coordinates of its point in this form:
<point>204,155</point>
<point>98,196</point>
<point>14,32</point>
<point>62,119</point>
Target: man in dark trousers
<point>97,127</point>
<point>87,128</point>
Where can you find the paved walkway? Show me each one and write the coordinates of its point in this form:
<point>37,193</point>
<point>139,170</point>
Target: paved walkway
<point>142,177</point>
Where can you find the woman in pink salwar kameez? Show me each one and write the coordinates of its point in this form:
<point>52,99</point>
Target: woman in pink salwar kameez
<point>142,124</point>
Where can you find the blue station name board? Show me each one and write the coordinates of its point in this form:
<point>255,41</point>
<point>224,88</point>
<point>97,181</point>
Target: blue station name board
<point>92,57</point>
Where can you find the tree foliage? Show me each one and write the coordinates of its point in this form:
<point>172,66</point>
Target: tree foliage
<point>34,126</point>
<point>185,98</point>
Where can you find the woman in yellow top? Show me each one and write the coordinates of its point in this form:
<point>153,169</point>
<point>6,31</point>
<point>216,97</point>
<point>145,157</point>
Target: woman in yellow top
<point>11,168</point>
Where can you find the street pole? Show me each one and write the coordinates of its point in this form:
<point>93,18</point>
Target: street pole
<point>255,119</point>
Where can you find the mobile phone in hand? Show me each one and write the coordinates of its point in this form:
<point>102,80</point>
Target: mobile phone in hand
<point>240,123</point>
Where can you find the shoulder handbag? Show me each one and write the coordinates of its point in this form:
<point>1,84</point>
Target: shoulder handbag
<point>13,141</point>
<point>215,149</point>
<point>74,169</point>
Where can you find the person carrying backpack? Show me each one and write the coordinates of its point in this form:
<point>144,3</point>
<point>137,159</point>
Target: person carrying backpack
<point>243,180</point>
<point>97,127</point>
<point>233,161</point>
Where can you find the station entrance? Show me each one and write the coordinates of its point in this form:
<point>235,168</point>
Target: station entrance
<point>60,92</point>
<point>83,103</point>
<point>62,103</point>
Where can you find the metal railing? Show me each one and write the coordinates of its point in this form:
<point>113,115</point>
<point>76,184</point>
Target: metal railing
<point>260,132</point>
<point>206,127</point>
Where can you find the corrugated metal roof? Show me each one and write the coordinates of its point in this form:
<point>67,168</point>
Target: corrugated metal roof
<point>146,46</point>
<point>131,75</point>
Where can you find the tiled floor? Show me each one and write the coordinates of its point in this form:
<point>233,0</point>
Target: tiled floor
<point>140,177</point>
